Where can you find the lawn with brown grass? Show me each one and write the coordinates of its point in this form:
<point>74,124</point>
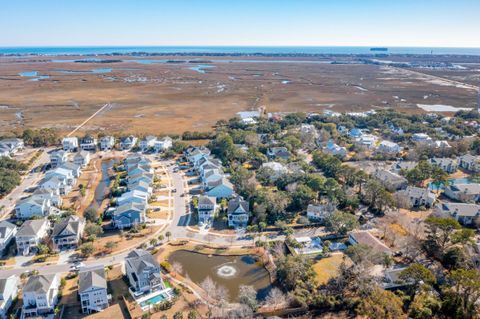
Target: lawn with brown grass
<point>327,268</point>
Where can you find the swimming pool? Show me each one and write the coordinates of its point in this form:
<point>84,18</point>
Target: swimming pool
<point>453,181</point>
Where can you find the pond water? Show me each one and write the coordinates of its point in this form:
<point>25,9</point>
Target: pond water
<point>453,181</point>
<point>33,75</point>
<point>227,271</point>
<point>201,68</point>
<point>103,187</point>
<point>99,70</point>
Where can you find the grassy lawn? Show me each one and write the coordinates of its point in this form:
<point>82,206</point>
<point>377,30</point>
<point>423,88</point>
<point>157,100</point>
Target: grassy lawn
<point>327,268</point>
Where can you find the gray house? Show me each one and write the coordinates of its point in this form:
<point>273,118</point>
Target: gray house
<point>7,233</point>
<point>30,235</point>
<point>238,212</point>
<point>391,181</point>
<point>68,232</point>
<point>92,289</point>
<point>415,197</point>
<point>466,214</point>
<point>128,215</point>
<point>143,272</point>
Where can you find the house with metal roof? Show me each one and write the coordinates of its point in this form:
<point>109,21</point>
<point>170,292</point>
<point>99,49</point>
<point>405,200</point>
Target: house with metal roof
<point>92,289</point>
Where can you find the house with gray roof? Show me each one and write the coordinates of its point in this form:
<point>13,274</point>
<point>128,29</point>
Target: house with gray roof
<point>30,235</point>
<point>128,142</point>
<point>207,207</point>
<point>221,188</point>
<point>128,215</point>
<point>58,158</point>
<point>88,143</point>
<point>143,272</point>
<point>467,193</point>
<point>67,233</point>
<point>82,158</point>
<point>238,212</point>
<point>391,181</point>
<point>414,197</point>
<point>465,214</point>
<point>8,292</point>
<point>74,168</point>
<point>32,206</point>
<point>147,143</point>
<point>448,165</point>
<point>366,238</point>
<point>40,296</point>
<point>107,143</point>
<point>469,162</point>
<point>7,234</point>
<point>278,152</point>
<point>92,289</point>
<point>12,145</point>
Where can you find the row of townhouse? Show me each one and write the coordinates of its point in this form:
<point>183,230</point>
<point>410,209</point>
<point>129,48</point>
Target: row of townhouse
<point>10,146</point>
<point>132,205</point>
<point>215,185</point>
<point>57,182</point>
<point>106,143</point>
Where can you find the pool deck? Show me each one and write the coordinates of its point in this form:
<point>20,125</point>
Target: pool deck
<point>168,292</point>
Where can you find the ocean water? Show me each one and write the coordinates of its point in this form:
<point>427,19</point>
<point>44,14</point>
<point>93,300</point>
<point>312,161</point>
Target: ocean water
<point>92,50</point>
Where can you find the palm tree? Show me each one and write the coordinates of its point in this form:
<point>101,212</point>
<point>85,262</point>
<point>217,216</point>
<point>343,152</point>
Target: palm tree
<point>168,234</point>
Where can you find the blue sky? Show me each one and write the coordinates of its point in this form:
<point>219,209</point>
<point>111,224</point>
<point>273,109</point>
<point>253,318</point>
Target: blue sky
<point>441,23</point>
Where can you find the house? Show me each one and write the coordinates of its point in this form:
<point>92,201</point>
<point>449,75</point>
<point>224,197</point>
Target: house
<point>221,188</point>
<point>67,233</point>
<point>470,163</point>
<point>465,214</point>
<point>92,289</point>
<point>63,174</point>
<point>334,149</point>
<point>278,153</point>
<point>128,215</point>
<point>355,133</point>
<point>403,166</point>
<point>440,144</point>
<point>82,158</point>
<point>88,143</point>
<point>57,184</point>
<point>467,193</point>
<point>319,212</point>
<point>145,177</point>
<point>364,237</point>
<point>207,207</point>
<point>70,144</point>
<point>277,169</point>
<point>127,143</point>
<point>391,181</point>
<point>448,165</point>
<point>366,140</point>
<point>211,175</point>
<point>249,117</point>
<point>193,154</point>
<point>32,206</point>
<point>415,197</point>
<point>55,199</point>
<point>148,142</point>
<point>4,151</point>
<point>387,147</point>
<point>74,168</point>
<point>391,279</point>
<point>140,186</point>
<point>163,144</point>
<point>238,212</point>
<point>143,272</point>
<point>7,234</point>
<point>12,145</point>
<point>30,235</point>
<point>8,293</point>
<point>420,138</point>
<point>40,296</point>
<point>58,158</point>
<point>107,143</point>
<point>134,196</point>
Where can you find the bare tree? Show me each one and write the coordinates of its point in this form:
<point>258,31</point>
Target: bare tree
<point>239,311</point>
<point>275,298</point>
<point>216,293</point>
<point>248,296</point>
<point>177,267</point>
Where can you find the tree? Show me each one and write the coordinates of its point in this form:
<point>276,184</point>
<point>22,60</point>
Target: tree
<point>87,249</point>
<point>177,268</point>
<point>91,215</point>
<point>330,165</point>
<point>160,238</point>
<point>153,242</point>
<point>456,257</point>
<point>341,223</point>
<point>425,305</point>
<point>381,304</point>
<point>214,292</point>
<point>418,273</point>
<point>275,298</point>
<point>192,315</point>
<point>42,249</point>
<point>248,296</point>
<point>168,234</point>
<point>439,231</point>
<point>109,245</point>
<point>462,294</point>
<point>178,315</point>
<point>302,196</point>
<point>376,196</point>
<point>93,230</point>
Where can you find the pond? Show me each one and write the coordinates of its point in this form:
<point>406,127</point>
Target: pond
<point>201,68</point>
<point>33,75</point>
<point>103,187</point>
<point>228,271</point>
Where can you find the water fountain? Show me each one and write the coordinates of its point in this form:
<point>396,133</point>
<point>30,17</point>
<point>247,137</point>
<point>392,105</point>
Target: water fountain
<point>226,271</point>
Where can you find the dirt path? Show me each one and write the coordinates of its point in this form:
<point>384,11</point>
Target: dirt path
<point>88,119</point>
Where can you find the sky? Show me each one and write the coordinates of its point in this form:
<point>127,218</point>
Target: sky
<point>424,23</point>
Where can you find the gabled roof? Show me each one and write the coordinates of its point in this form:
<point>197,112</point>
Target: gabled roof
<point>129,207</point>
<point>237,202</point>
<point>206,200</point>
<point>32,201</point>
<point>466,188</point>
<point>39,283</point>
<point>139,260</point>
<point>31,227</point>
<point>71,225</point>
<point>460,209</point>
<point>6,227</point>
<point>91,278</point>
<point>82,154</point>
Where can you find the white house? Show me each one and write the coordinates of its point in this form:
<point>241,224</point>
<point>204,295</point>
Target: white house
<point>388,147</point>
<point>40,295</point>
<point>74,168</point>
<point>466,214</point>
<point>55,199</point>
<point>470,163</point>
<point>391,181</point>
<point>12,145</point>
<point>366,140</point>
<point>30,235</point>
<point>32,206</point>
<point>421,138</point>
<point>143,272</point>
<point>127,143</point>
<point>92,289</point>
<point>107,143</point>
<point>57,184</point>
<point>148,142</point>
<point>58,158</point>
<point>82,158</point>
<point>278,169</point>
<point>319,212</point>
<point>62,174</point>
<point>207,207</point>
<point>238,212</point>
<point>7,233</point>
<point>8,292</point>
<point>334,149</point>
<point>163,144</point>
<point>70,144</point>
<point>467,193</point>
<point>449,165</point>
